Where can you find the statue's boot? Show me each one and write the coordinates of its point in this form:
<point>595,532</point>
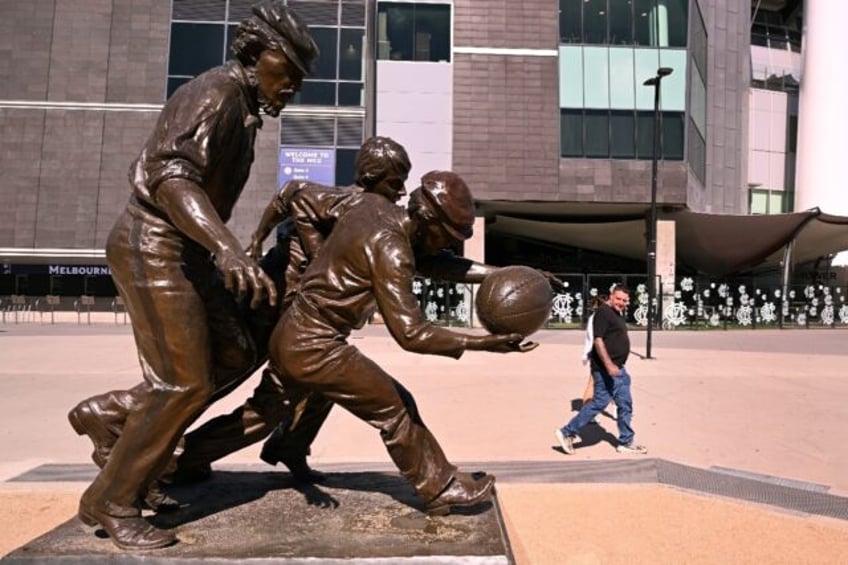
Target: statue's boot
<point>102,418</point>
<point>275,451</point>
<point>125,526</point>
<point>158,500</point>
<point>464,490</point>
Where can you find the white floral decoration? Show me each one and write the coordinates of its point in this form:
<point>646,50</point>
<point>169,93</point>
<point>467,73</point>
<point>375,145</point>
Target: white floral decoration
<point>843,314</point>
<point>431,311</point>
<point>561,307</point>
<point>461,312</point>
<point>827,315</point>
<point>768,312</point>
<point>687,284</point>
<point>743,315</point>
<point>715,319</point>
<point>676,314</point>
<point>722,290</point>
<point>641,315</point>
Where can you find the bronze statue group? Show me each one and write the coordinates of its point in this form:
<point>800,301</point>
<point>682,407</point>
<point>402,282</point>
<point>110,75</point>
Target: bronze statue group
<point>207,314</point>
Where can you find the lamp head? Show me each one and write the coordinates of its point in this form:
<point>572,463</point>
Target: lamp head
<point>664,71</point>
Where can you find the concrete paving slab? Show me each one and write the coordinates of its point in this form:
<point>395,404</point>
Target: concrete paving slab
<point>763,405</point>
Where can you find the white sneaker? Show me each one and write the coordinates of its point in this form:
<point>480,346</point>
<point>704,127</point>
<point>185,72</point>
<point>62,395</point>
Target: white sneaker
<point>566,442</point>
<point>632,449</point>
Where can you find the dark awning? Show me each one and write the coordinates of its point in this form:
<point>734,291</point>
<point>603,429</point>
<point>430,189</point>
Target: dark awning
<point>714,244</point>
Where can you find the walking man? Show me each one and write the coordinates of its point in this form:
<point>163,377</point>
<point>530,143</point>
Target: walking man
<point>611,347</point>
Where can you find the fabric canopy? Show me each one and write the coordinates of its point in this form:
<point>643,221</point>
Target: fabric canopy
<point>714,244</point>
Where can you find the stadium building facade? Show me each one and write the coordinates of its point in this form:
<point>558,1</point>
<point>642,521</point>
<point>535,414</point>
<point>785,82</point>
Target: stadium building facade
<point>540,105</point>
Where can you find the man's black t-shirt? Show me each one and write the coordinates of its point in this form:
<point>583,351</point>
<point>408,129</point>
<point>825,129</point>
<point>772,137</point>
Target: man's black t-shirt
<point>610,326</point>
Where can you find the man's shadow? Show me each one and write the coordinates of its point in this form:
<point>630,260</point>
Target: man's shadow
<point>231,489</point>
<point>593,432</point>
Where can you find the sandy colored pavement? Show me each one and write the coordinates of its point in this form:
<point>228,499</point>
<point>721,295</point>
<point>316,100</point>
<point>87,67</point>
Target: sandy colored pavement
<point>765,402</point>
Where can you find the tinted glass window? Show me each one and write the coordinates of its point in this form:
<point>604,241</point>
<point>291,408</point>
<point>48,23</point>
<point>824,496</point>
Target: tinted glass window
<point>569,21</point>
<point>571,133</point>
<point>644,134</point>
<point>597,133</point>
<point>327,40</point>
<point>432,32</point>
<point>316,94</point>
<point>643,11</point>
<point>620,23</point>
<point>413,32</point>
<point>623,134</point>
<point>350,94</point>
<point>595,21</point>
<point>672,136</point>
<point>345,166</point>
<point>350,54</point>
<point>677,18</point>
<point>195,48</point>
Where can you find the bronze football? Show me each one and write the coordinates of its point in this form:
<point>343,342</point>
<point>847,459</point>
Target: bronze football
<point>514,299</point>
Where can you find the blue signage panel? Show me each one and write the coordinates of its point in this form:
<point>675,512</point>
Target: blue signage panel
<point>316,164</point>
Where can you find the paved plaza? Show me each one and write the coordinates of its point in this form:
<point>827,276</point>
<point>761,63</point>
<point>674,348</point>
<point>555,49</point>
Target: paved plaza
<point>747,460</point>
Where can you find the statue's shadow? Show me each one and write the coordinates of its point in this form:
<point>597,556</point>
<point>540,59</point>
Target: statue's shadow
<point>227,490</point>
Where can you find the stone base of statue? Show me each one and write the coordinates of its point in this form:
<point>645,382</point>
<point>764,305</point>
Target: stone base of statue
<point>265,517</point>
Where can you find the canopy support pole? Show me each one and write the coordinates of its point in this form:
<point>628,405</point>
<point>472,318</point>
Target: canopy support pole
<point>784,283</point>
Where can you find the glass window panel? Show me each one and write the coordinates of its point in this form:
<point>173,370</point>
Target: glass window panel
<point>571,133</point>
<point>644,135</point>
<point>231,32</point>
<point>569,21</point>
<point>677,14</point>
<point>642,26</point>
<point>350,94</point>
<point>622,94</point>
<point>316,94</point>
<point>622,134</point>
<point>570,77</point>
<point>647,61</point>
<point>620,23</point>
<point>597,133</point>
<point>595,21</point>
<point>350,54</point>
<point>345,166</point>
<point>792,134</point>
<point>195,48</point>
<point>698,101</point>
<point>395,27</point>
<point>596,77</point>
<point>327,40</point>
<point>699,42</point>
<point>776,203</point>
<point>697,155</point>
<point>759,202</point>
<point>671,142</point>
<point>673,86</point>
<point>432,32</point>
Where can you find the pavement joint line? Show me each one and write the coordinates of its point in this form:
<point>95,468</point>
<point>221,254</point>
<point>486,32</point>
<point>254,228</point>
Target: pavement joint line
<point>750,487</point>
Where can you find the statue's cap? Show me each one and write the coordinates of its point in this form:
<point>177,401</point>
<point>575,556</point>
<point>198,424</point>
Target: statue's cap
<point>291,33</point>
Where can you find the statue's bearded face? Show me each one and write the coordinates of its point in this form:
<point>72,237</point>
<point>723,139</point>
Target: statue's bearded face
<point>277,81</point>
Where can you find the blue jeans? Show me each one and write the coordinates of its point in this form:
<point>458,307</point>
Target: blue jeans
<point>607,388</point>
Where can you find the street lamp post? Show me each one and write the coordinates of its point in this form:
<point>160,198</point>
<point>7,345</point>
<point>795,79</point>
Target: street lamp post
<point>652,218</point>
